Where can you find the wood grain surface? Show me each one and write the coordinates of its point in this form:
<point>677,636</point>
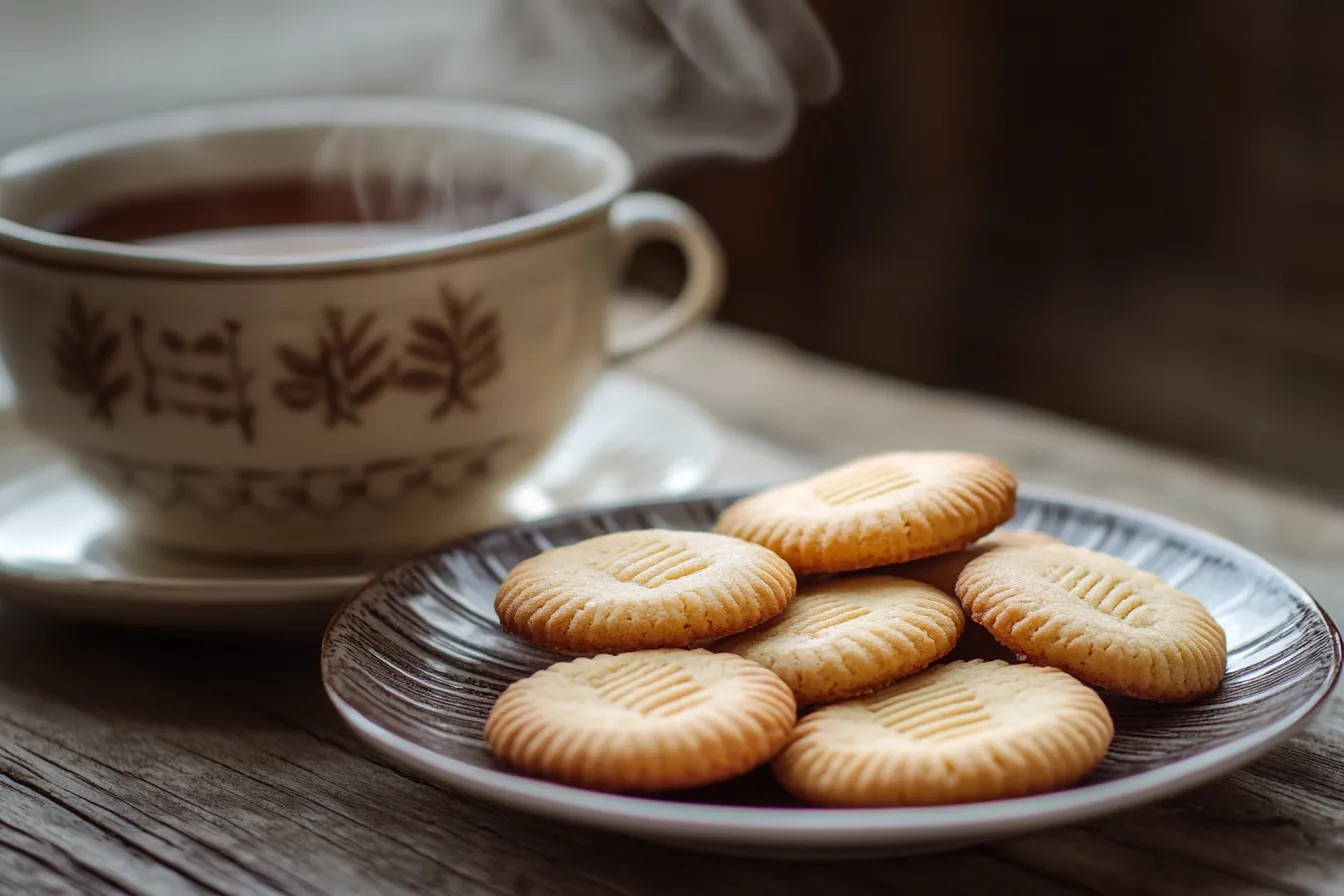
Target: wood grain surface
<point>141,764</point>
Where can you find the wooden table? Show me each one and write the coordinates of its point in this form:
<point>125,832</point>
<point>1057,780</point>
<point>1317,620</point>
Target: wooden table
<point>135,763</point>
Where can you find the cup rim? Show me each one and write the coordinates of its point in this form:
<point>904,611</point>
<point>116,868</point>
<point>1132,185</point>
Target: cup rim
<point>33,244</point>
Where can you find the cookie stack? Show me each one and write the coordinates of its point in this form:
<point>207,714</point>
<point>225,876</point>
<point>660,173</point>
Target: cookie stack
<point>697,649</point>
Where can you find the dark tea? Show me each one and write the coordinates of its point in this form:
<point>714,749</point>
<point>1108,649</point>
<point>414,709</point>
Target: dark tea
<point>295,216</point>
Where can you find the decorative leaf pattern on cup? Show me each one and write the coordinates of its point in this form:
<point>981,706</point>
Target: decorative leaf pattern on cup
<point>343,372</point>
<point>196,377</point>
<point>458,354</point>
<point>85,351</point>
<point>345,368</point>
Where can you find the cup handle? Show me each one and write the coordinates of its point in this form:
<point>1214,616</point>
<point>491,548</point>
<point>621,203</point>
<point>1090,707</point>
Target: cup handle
<point>639,218</point>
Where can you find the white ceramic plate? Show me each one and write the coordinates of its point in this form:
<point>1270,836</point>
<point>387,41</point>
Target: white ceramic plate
<point>61,549</point>
<point>415,660</point>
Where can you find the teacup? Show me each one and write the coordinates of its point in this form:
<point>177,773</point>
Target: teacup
<point>371,368</point>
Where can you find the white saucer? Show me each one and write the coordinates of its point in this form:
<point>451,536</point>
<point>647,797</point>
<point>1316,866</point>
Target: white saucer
<point>61,550</point>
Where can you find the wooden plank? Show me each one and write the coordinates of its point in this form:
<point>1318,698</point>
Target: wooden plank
<point>161,768</point>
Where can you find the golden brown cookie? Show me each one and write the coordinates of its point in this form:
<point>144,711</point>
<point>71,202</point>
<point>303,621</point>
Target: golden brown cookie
<point>890,508</point>
<point>648,721</point>
<point>851,634</point>
<point>941,571</point>
<point>644,589</point>
<point>954,733</point>
<point>1098,618</point>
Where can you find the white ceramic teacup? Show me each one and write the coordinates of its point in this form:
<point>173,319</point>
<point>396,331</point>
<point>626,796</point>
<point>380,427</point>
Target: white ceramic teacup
<point>375,389</point>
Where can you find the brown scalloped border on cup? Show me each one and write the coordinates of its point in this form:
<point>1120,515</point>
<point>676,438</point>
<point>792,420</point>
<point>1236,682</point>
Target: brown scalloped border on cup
<point>318,491</point>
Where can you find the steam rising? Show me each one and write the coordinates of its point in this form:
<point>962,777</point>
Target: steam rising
<point>669,79</point>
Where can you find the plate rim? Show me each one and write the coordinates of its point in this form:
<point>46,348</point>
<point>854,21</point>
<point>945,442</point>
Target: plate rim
<point>825,827</point>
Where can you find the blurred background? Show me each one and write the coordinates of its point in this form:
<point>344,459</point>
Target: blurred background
<point>1127,212</point>
<point>1130,213</point>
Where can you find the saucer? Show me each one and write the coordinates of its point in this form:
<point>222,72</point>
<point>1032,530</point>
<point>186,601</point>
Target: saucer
<point>61,550</point>
<point>415,660</point>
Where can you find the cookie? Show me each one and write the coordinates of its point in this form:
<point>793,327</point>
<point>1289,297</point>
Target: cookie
<point>879,510</point>
<point>640,590</point>
<point>649,721</point>
<point>941,571</point>
<point>1098,618</point>
<point>851,634</point>
<point>955,733</point>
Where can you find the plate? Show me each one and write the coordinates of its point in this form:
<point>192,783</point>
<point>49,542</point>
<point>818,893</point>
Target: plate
<point>61,549</point>
<point>414,661</point>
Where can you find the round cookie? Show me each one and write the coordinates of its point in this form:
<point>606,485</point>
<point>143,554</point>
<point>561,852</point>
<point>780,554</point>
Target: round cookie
<point>851,634</point>
<point>876,511</point>
<point>648,721</point>
<point>1098,618</point>
<point>942,571</point>
<point>955,733</point>
<point>644,589</point>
